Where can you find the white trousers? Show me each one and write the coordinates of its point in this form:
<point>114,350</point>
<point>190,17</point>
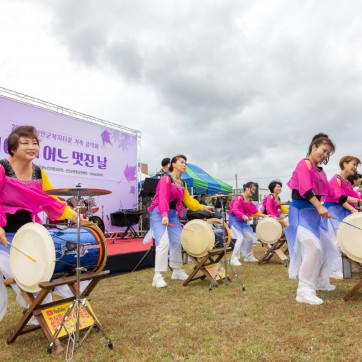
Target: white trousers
<point>311,263</point>
<point>163,250</point>
<point>244,243</point>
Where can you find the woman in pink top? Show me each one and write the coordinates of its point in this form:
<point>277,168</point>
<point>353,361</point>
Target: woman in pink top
<point>241,210</point>
<point>272,204</point>
<point>167,205</point>
<point>307,234</point>
<point>22,197</point>
<point>344,202</point>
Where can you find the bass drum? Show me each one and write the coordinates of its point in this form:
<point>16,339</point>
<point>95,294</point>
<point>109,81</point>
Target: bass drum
<point>43,254</point>
<point>349,236</point>
<point>98,221</point>
<point>269,230</point>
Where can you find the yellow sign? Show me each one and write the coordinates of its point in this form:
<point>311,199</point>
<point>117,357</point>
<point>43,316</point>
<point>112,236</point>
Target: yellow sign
<point>54,316</point>
<point>213,269</point>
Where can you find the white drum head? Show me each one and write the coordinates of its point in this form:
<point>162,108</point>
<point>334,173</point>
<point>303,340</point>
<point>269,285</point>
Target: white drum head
<point>197,238</point>
<point>269,230</point>
<point>34,240</point>
<point>349,238</point>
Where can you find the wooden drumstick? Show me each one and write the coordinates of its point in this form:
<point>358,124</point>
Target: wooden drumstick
<point>345,222</point>
<point>178,227</point>
<point>23,252</point>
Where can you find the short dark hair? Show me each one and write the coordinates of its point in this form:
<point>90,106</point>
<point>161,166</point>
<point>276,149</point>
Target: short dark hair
<point>272,185</point>
<point>174,160</point>
<point>354,177</point>
<point>165,161</point>
<point>250,184</point>
<point>16,133</point>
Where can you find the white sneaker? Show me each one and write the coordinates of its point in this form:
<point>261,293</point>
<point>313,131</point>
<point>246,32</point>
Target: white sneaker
<point>179,274</point>
<point>328,287</point>
<point>251,259</point>
<point>309,298</point>
<point>336,275</point>
<point>234,261</point>
<point>158,281</point>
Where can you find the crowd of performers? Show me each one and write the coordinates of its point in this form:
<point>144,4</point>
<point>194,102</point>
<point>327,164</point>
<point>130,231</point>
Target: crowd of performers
<point>317,207</point>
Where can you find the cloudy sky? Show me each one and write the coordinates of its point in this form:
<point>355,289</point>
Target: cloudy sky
<point>240,87</point>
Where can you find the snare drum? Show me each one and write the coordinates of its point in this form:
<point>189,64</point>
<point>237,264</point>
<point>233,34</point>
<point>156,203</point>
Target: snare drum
<point>349,237</point>
<point>269,230</point>
<point>55,253</point>
<point>199,236</point>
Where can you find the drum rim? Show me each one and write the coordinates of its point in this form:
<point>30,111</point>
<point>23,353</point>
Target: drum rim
<point>102,259</point>
<point>208,229</point>
<point>343,244</point>
<point>221,223</point>
<point>49,248</point>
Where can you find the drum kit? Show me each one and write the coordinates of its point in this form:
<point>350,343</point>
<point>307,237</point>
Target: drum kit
<point>40,255</point>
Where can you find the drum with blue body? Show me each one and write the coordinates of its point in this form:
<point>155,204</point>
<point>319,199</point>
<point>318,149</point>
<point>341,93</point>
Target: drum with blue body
<point>93,253</point>
<point>41,254</point>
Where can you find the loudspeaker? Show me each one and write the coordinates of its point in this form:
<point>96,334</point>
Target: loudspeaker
<point>149,187</point>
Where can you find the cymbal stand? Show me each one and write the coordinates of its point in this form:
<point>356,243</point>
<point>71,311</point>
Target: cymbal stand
<point>225,262</point>
<point>74,308</point>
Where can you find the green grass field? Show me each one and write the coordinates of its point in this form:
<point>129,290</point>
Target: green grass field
<point>177,323</point>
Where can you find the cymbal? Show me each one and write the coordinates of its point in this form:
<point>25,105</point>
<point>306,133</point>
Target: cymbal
<point>77,191</point>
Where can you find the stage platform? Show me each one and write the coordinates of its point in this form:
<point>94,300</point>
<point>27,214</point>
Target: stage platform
<point>129,254</point>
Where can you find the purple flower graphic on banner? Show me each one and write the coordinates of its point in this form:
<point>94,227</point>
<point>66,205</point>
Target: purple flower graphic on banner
<point>130,173</point>
<point>126,141</point>
<point>132,190</point>
<point>105,136</point>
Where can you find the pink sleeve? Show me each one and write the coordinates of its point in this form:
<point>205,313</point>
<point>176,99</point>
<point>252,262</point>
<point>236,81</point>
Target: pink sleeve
<point>337,188</point>
<point>352,193</point>
<point>269,202</point>
<point>237,207</point>
<point>164,195</point>
<point>305,179</point>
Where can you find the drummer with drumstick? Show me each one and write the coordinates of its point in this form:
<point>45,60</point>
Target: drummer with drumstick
<point>345,201</point>
<point>241,210</point>
<point>272,204</point>
<point>307,233</point>
<point>167,205</point>
<point>21,198</point>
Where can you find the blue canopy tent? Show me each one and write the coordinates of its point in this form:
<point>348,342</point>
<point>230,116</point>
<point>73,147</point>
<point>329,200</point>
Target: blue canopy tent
<point>200,182</point>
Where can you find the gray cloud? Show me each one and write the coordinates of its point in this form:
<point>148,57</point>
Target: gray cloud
<point>240,87</point>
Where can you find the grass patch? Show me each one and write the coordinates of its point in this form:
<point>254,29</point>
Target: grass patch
<point>179,323</point>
